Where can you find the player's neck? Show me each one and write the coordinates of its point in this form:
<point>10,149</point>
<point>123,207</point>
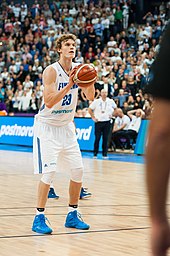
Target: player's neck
<point>66,64</point>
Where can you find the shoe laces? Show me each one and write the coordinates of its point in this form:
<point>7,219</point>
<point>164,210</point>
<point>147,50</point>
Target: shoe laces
<point>43,220</point>
<point>47,220</point>
<point>79,216</point>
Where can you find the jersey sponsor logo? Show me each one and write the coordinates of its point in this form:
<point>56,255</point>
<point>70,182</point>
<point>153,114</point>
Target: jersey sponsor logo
<point>83,134</point>
<point>16,130</point>
<point>52,163</point>
<point>62,111</point>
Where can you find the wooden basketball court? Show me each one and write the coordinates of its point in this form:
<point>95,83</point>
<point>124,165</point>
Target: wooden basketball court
<point>117,211</point>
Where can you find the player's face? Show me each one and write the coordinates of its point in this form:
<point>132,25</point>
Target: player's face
<point>68,49</point>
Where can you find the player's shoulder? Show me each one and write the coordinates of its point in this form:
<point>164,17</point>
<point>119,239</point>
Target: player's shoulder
<point>49,73</point>
<point>51,69</point>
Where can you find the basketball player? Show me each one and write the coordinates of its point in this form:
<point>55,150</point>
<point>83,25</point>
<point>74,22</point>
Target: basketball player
<point>54,134</point>
<point>158,150</point>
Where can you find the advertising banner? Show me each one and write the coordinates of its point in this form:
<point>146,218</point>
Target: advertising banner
<point>142,138</point>
<point>16,130</point>
<point>19,131</point>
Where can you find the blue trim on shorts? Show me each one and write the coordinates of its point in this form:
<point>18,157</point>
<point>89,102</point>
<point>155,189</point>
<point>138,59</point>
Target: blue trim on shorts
<point>39,156</point>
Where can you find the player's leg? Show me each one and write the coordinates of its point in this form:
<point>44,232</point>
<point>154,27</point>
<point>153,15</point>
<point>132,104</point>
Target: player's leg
<point>73,219</point>
<point>45,158</point>
<point>72,155</point>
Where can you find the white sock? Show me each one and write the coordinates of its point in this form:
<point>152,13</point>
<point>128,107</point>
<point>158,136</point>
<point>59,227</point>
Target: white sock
<point>51,185</point>
<point>71,209</point>
<point>37,212</point>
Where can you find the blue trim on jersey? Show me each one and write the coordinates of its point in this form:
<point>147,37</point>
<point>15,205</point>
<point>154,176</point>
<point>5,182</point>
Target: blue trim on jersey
<point>63,69</point>
<point>43,106</point>
<point>39,156</point>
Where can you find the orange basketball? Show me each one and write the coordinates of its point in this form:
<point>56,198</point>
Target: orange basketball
<point>85,75</point>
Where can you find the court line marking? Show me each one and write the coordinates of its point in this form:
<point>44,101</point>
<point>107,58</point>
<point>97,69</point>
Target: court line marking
<point>76,232</point>
<point>82,206</point>
<point>89,214</point>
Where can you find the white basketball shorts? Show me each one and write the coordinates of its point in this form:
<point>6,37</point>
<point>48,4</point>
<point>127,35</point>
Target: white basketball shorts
<point>55,147</point>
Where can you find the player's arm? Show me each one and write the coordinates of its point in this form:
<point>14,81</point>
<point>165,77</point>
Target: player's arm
<point>51,95</point>
<point>89,91</point>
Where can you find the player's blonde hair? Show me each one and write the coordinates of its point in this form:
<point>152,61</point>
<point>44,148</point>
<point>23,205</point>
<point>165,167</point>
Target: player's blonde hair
<point>64,38</point>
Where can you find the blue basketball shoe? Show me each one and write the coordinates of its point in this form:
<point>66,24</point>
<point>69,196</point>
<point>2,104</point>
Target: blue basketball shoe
<point>40,226</point>
<point>74,220</point>
<point>84,194</point>
<point>52,194</point>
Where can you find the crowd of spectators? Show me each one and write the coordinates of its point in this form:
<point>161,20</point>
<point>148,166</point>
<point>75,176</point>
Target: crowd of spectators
<point>107,36</point>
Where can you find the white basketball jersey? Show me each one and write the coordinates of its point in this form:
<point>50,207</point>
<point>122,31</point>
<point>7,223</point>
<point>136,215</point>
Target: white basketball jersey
<point>63,112</point>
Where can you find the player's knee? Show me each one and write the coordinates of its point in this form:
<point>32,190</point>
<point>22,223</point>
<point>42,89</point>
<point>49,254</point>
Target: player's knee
<point>77,175</point>
<point>48,178</point>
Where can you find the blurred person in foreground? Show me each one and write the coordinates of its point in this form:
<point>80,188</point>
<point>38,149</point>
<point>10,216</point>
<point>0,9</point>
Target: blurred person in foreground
<point>158,149</point>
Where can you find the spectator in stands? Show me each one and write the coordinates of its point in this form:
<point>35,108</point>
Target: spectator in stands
<point>125,108</point>
<point>147,108</point>
<point>24,103</point>
<point>121,97</point>
<point>83,99</point>
<point>138,102</point>
<point>79,58</point>
<point>27,39</point>
<point>116,91</point>
<point>107,86</point>
<point>125,13</point>
<point>125,88</point>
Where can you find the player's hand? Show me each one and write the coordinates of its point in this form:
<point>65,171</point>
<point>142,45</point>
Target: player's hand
<point>71,75</point>
<point>160,239</point>
<point>91,85</point>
